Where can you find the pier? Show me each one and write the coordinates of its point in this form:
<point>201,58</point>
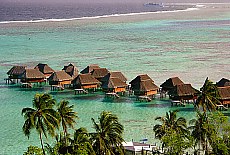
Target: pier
<point>80,91</point>
<point>111,95</point>
<point>144,98</point>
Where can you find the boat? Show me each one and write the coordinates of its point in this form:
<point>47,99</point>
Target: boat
<point>154,4</point>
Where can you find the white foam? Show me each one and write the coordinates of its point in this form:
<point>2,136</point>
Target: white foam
<point>97,17</point>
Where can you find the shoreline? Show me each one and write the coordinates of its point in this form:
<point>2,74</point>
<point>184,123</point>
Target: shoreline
<point>201,11</point>
<point>184,7</point>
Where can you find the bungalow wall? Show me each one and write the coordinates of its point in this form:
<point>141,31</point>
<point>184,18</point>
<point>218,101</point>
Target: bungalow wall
<point>32,80</point>
<point>67,82</point>
<point>151,92</point>
<point>145,93</point>
<point>89,86</point>
<point>114,90</point>
<point>121,89</point>
<point>188,97</point>
<point>225,101</point>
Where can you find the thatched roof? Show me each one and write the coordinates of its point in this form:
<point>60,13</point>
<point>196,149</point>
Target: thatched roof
<point>84,79</point>
<point>171,82</point>
<point>32,74</point>
<point>99,72</point>
<point>113,82</point>
<point>113,75</point>
<point>146,85</point>
<point>140,78</point>
<point>89,68</point>
<point>59,76</point>
<point>223,83</point>
<point>44,68</point>
<point>224,92</point>
<point>183,90</point>
<point>71,69</point>
<point>16,70</point>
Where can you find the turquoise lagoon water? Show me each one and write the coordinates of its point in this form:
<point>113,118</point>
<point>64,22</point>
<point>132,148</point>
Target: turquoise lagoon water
<point>191,49</point>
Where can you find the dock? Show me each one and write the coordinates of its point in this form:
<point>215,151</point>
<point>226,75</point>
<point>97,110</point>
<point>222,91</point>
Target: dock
<point>144,98</point>
<point>57,87</point>
<point>26,85</point>
<point>221,107</point>
<point>80,91</point>
<point>112,95</point>
<point>177,103</point>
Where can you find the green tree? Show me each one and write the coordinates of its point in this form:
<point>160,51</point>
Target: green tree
<point>67,116</point>
<point>33,150</point>
<point>209,97</point>
<point>172,129</point>
<point>108,137</point>
<point>170,121</point>
<point>201,130</point>
<point>81,143</point>
<point>218,140</point>
<point>42,117</point>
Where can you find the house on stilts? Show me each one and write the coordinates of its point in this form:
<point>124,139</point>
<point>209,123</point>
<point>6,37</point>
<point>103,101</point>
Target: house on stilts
<point>144,88</point>
<point>59,80</point>
<point>14,74</point>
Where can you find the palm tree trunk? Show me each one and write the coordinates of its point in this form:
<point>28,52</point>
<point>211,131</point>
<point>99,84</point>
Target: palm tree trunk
<point>42,143</point>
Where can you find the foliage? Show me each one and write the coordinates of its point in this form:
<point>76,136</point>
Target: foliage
<point>108,137</point>
<point>176,144</point>
<point>41,117</point>
<point>67,116</point>
<point>33,150</point>
<point>209,97</point>
<point>81,143</point>
<point>172,132</point>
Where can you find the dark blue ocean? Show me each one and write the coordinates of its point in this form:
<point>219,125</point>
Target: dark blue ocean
<point>19,11</point>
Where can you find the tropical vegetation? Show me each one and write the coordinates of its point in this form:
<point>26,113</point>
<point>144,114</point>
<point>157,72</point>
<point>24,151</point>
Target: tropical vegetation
<point>208,133</point>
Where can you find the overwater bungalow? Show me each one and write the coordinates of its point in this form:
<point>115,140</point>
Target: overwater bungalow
<point>71,69</point>
<point>183,92</point>
<point>143,85</point>
<point>99,73</point>
<point>223,83</point>
<point>169,84</point>
<point>14,74</point>
<point>224,95</point>
<point>114,74</point>
<point>114,85</point>
<point>85,81</point>
<point>32,76</point>
<point>45,69</point>
<point>89,68</point>
<point>60,79</point>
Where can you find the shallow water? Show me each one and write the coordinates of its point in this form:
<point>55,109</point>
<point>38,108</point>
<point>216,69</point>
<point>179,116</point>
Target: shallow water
<point>190,49</point>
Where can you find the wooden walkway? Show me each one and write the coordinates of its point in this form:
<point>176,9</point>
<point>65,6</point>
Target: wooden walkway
<point>144,98</point>
<point>80,91</point>
<point>112,95</point>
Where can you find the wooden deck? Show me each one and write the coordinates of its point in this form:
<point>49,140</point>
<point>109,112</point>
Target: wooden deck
<point>177,103</point>
<point>221,107</point>
<point>144,98</point>
<point>80,91</point>
<point>112,95</point>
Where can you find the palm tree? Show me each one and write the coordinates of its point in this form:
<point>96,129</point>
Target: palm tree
<point>67,116</point>
<point>42,117</point>
<point>201,130</point>
<point>209,96</point>
<point>108,136</point>
<point>81,142</point>
<point>170,123</point>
